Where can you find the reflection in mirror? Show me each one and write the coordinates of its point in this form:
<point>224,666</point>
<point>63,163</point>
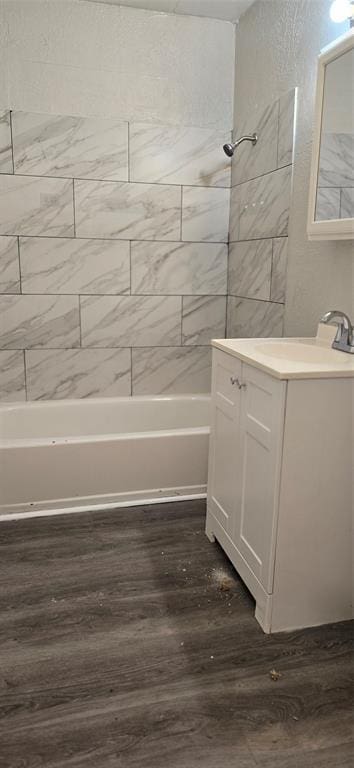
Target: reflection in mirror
<point>335,181</point>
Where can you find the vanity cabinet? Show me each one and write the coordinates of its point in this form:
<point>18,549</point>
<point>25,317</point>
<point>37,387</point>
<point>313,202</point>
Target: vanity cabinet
<point>268,505</point>
<point>246,442</point>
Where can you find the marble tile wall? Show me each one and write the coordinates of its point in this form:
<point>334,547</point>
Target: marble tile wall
<point>259,217</point>
<point>9,265</point>
<point>73,147</point>
<point>6,163</point>
<point>113,256</point>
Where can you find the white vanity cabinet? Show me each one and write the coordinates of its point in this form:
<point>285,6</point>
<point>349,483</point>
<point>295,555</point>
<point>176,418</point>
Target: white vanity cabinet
<point>271,458</point>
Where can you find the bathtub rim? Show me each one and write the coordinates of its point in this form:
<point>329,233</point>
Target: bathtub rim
<point>84,401</point>
<point>80,403</point>
<point>33,442</point>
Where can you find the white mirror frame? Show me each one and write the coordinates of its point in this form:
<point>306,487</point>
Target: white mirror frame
<point>335,229</point>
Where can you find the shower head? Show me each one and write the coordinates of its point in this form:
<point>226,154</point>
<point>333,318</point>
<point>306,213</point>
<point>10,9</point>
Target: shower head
<point>230,148</point>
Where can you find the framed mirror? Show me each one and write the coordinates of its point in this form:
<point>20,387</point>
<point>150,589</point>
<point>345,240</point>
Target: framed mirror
<point>331,199</point>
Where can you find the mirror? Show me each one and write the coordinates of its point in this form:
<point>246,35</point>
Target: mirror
<point>335,180</point>
<point>331,204</point>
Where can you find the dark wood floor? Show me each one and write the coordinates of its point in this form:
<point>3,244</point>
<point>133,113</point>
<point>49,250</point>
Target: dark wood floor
<point>127,641</point>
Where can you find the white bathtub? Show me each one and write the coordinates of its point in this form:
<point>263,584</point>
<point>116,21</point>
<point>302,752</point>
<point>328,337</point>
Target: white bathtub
<point>108,452</point>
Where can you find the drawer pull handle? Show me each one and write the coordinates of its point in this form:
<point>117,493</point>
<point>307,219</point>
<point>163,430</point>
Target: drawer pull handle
<point>235,380</point>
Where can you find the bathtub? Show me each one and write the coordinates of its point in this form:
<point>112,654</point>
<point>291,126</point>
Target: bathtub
<point>71,455</point>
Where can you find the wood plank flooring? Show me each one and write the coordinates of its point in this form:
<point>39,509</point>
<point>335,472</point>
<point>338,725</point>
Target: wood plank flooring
<point>128,641</point>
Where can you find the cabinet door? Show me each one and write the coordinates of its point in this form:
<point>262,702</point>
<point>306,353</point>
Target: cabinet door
<point>261,437</point>
<point>224,439</point>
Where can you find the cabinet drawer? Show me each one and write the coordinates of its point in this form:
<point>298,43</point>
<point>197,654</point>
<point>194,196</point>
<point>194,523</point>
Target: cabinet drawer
<point>226,369</point>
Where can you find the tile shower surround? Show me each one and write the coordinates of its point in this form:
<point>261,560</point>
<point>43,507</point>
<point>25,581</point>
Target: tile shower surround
<point>113,256</point>
<point>259,217</point>
<point>113,250</point>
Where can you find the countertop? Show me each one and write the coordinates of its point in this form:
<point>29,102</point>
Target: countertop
<point>293,358</point>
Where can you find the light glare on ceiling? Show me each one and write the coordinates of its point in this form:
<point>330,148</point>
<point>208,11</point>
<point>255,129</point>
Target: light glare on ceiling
<point>341,10</point>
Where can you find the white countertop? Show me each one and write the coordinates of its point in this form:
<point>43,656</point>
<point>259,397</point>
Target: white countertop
<point>293,358</point>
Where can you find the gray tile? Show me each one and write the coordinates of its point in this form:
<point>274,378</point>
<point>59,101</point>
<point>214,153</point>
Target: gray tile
<point>9,265</point>
<point>179,268</point>
<point>234,225</point>
<point>178,370</point>
<point>205,214</point>
<point>178,155</point>
<point>279,265</point>
<point>5,142</point>
<point>286,128</point>
<point>336,163</point>
<point>64,265</point>
<point>347,204</point>
<point>203,319</point>
<point>327,203</point>
<point>12,376</point>
<point>36,206</point>
<point>250,268</point>
<point>39,321</point>
<point>57,374</point>
<point>264,205</point>
<point>249,318</point>
<point>130,321</point>
<point>250,160</point>
<point>80,147</point>
<point>114,210</point>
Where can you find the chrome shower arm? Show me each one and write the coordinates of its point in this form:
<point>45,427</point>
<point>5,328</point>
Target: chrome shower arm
<point>253,138</point>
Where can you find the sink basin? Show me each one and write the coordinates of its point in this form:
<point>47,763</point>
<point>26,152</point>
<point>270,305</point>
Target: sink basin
<point>293,358</point>
<point>301,352</point>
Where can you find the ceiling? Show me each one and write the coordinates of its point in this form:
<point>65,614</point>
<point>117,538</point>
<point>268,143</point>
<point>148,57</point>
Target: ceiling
<point>228,10</point>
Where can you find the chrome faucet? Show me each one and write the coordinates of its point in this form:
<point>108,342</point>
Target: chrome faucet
<point>344,338</point>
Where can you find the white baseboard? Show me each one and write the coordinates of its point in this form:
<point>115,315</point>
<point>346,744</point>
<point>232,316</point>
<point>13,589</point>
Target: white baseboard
<point>100,503</point>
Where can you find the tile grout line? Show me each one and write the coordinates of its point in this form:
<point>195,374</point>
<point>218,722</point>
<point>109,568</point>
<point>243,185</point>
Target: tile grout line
<point>19,265</point>
<point>278,131</point>
<point>181,214</point>
<point>120,182</point>
<point>252,298</point>
<point>97,349</point>
<point>120,239</point>
<point>125,295</point>
<point>271,271</point>
<point>261,175</point>
<point>182,309</point>
<point>80,326</point>
<point>226,316</point>
<point>258,239</point>
<point>25,373</point>
<point>12,145</point>
<point>74,214</point>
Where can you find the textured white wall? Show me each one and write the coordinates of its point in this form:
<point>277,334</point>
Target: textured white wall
<point>277,44</point>
<point>84,58</point>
